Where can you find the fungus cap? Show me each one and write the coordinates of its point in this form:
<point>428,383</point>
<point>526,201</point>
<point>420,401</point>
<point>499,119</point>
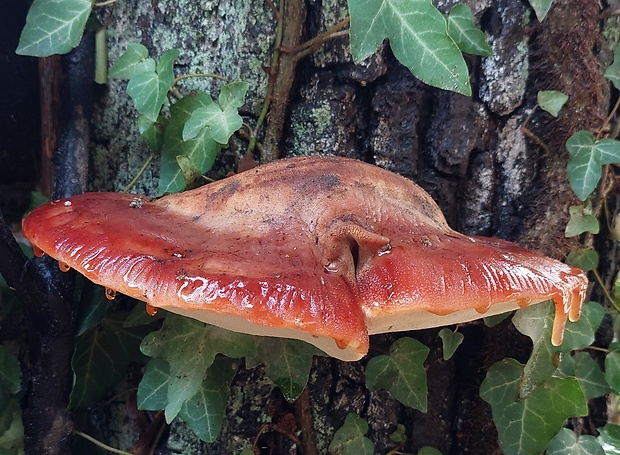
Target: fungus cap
<point>323,249</point>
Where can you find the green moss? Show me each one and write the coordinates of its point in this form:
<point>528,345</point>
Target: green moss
<point>611,32</point>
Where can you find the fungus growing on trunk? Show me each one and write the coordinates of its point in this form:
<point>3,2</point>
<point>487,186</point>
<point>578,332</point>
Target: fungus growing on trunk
<point>323,249</point>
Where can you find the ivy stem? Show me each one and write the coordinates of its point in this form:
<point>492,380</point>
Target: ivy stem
<point>523,128</point>
<point>596,348</point>
<point>100,444</point>
<point>319,40</point>
<point>139,174</point>
<point>608,119</point>
<point>106,3</point>
<point>273,73</point>
<point>606,293</point>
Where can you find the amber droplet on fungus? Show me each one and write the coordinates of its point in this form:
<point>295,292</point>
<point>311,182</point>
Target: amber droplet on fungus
<point>63,266</point>
<point>151,310</point>
<point>110,294</point>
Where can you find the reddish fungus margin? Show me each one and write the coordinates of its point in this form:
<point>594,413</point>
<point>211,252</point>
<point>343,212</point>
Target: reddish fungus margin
<point>323,249</point>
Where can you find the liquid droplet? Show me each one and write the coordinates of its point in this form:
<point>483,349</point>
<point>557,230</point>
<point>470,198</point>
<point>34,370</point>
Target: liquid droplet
<point>524,303</point>
<point>38,252</point>
<point>151,310</point>
<point>63,266</point>
<point>341,344</point>
<point>482,309</point>
<point>559,323</point>
<point>575,306</point>
<point>385,249</point>
<point>110,293</point>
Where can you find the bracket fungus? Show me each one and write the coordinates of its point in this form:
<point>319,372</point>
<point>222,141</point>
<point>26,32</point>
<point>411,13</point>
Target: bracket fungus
<point>323,249</point>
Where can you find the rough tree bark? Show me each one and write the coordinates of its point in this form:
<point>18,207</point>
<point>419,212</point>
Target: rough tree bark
<point>489,176</point>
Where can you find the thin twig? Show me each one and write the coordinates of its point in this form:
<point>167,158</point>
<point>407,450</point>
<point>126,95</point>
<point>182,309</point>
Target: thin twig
<point>101,444</point>
<point>596,348</point>
<point>606,293</point>
<point>313,49</point>
<point>106,3</point>
<point>608,119</point>
<point>139,174</point>
<point>273,73</point>
<point>321,39</point>
<point>535,139</point>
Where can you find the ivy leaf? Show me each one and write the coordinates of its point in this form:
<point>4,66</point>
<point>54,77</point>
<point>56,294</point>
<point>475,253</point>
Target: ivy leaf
<point>526,426</point>
<point>233,94</point>
<point>53,27</point>
<point>587,371</point>
<point>10,372</point>
<point>189,170</point>
<point>451,341</point>
<point>541,8</point>
<point>580,221</point>
<point>8,301</point>
<point>101,359</point>
<point>401,373</point>
<point>205,411</point>
<point>190,346</point>
<point>138,316</point>
<point>609,438</point>
<point>587,156</point>
<point>612,370</point>
<point>222,120</point>
<point>551,101</point>
<point>153,388</point>
<point>610,151</point>
<point>613,72</point>
<point>148,90</point>
<point>584,258</point>
<point>101,55</point>
<point>11,429</point>
<point>399,436</point>
<point>133,62</point>
<point>428,450</point>
<point>93,307</point>
<point>492,321</point>
<point>462,30</point>
<point>201,150</point>
<point>417,32</point>
<point>153,132</point>
<point>536,322</point>
<point>287,363</point>
<point>350,439</point>
<point>566,442</point>
<point>166,64</point>
<point>221,123</point>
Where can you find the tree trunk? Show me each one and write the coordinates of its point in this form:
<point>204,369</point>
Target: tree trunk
<point>494,163</point>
